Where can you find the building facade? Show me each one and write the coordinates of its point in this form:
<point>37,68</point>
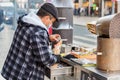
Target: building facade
<point>98,7</point>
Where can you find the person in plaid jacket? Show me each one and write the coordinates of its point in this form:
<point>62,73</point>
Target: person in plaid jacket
<point>29,53</point>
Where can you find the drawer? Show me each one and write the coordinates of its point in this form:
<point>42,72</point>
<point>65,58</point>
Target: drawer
<point>58,70</point>
<point>61,70</point>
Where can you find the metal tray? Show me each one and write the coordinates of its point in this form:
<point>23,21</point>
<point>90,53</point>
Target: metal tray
<point>66,68</point>
<point>61,69</point>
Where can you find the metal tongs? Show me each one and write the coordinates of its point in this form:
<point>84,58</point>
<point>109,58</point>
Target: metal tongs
<point>59,39</point>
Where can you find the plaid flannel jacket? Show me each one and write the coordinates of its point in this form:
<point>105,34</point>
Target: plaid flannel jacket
<point>29,54</point>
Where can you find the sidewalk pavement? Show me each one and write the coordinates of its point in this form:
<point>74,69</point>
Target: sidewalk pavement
<point>83,20</point>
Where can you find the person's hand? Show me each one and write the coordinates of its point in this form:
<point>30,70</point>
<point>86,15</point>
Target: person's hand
<point>55,38</point>
<point>57,47</point>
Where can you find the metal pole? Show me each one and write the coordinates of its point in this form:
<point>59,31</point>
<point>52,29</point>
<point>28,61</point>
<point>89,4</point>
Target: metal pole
<point>113,7</point>
<point>90,4</point>
<point>15,16</point>
<point>89,7</point>
<point>102,11</point>
<point>118,8</point>
<point>99,10</point>
<point>28,1</point>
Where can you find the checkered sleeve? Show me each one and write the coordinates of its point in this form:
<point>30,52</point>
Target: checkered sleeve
<point>41,50</point>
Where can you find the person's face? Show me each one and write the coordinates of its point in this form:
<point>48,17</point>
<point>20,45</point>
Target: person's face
<point>49,20</point>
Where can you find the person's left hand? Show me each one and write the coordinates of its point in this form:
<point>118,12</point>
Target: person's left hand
<point>57,47</point>
<point>54,37</point>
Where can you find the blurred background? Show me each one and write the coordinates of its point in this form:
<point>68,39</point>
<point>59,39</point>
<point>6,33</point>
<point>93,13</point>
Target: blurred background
<point>81,12</point>
<point>10,10</point>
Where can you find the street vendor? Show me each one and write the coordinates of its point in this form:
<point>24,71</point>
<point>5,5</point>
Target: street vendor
<point>29,53</point>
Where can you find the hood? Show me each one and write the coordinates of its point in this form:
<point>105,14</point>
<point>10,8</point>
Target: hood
<point>32,18</point>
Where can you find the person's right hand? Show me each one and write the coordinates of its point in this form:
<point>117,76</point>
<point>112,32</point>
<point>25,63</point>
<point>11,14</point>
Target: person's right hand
<point>55,38</point>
